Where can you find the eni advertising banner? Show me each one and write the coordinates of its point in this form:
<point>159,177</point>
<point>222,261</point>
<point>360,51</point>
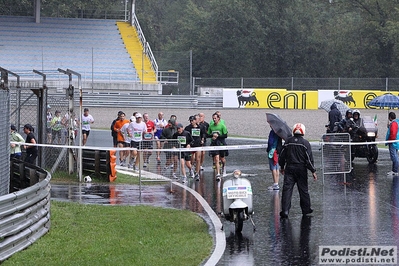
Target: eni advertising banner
<point>352,98</point>
<point>279,98</point>
<point>269,98</point>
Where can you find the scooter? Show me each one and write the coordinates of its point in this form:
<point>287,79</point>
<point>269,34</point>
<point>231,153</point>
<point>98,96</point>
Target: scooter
<point>237,199</point>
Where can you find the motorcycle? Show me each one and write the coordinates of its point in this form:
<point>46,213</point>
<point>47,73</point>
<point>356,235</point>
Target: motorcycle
<point>365,131</point>
<point>237,199</point>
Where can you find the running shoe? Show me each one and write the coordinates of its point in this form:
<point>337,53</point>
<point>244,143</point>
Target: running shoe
<point>274,187</point>
<point>392,173</point>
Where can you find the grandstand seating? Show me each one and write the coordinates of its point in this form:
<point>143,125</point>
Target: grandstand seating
<point>90,46</point>
<point>135,48</point>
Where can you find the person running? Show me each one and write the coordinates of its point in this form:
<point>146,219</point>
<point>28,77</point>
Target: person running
<point>220,118</point>
<point>198,134</point>
<point>171,157</point>
<point>136,129</point>
<point>185,140</point>
<point>205,125</point>
<point>160,124</point>
<point>217,131</point>
<point>148,139</point>
<point>87,119</point>
<point>295,160</point>
<point>114,134</point>
<point>15,151</point>
<point>31,151</point>
<point>127,141</point>
<point>174,118</point>
<point>123,154</point>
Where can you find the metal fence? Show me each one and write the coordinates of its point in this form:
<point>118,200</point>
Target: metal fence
<point>24,214</point>
<point>336,154</point>
<point>295,83</point>
<point>24,110</point>
<point>5,140</point>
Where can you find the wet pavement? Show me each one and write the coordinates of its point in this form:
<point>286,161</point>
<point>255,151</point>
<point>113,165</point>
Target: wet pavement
<point>362,212</point>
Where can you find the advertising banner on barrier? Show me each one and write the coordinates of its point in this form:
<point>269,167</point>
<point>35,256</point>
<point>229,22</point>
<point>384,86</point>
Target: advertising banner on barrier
<point>279,98</point>
<point>269,98</point>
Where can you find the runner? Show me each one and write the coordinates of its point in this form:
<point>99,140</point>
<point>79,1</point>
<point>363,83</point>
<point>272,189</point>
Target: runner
<point>217,131</point>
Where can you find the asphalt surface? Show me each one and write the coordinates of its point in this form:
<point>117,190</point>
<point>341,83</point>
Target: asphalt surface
<point>243,122</point>
<point>361,212</point>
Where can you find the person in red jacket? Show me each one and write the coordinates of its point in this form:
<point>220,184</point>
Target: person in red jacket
<point>393,134</point>
<point>148,139</point>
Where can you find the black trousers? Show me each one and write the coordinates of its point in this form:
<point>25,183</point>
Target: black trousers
<point>292,176</point>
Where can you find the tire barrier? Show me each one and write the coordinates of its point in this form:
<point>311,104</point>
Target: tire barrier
<point>100,164</point>
<point>25,213</point>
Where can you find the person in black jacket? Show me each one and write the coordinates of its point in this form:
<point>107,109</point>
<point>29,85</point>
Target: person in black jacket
<point>185,140</point>
<point>199,135</point>
<point>334,116</point>
<point>295,160</point>
<point>114,134</point>
<point>166,136</point>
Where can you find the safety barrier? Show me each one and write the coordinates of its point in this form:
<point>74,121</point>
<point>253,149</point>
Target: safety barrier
<point>25,214</point>
<point>99,163</point>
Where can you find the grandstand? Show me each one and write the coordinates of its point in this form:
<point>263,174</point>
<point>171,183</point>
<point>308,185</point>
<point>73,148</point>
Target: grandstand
<point>92,47</point>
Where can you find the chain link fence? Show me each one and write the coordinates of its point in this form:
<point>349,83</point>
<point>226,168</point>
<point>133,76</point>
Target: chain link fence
<point>5,141</point>
<point>25,110</point>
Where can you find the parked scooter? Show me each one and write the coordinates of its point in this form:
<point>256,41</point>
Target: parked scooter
<point>237,199</point>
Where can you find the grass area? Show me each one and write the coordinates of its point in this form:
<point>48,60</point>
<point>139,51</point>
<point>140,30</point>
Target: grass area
<point>118,235</point>
<point>64,177</point>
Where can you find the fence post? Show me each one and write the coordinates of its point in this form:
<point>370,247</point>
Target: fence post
<point>386,84</point>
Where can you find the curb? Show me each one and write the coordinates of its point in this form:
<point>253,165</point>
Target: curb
<point>220,237</point>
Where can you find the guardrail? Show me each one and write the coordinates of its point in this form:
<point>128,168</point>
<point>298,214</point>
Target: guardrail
<point>130,99</point>
<point>24,214</point>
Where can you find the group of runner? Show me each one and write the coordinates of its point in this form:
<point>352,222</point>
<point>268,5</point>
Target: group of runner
<point>141,133</point>
<point>57,126</point>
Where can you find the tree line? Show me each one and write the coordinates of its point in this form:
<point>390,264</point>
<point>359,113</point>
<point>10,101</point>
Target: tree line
<point>257,38</point>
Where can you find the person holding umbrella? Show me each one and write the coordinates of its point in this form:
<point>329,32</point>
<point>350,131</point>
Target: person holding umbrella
<point>274,145</point>
<point>393,134</point>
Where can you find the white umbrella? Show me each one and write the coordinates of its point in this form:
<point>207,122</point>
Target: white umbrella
<point>326,105</point>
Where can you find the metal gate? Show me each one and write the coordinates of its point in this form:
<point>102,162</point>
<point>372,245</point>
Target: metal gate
<point>336,154</point>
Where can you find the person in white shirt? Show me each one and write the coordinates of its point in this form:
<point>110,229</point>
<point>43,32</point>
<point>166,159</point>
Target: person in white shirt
<point>160,123</point>
<point>136,129</point>
<point>127,140</point>
<point>87,119</point>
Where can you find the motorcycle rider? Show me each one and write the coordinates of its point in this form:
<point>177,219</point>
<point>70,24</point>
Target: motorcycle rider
<point>346,124</point>
<point>334,116</point>
<point>356,117</point>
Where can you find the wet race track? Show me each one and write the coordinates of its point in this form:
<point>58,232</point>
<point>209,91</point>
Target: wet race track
<point>363,212</point>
